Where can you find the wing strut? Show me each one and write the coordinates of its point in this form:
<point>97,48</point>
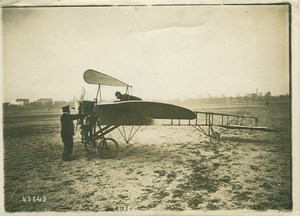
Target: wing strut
<point>98,93</point>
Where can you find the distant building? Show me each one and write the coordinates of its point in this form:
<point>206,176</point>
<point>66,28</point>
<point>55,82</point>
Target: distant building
<point>16,103</point>
<point>253,95</point>
<point>45,101</point>
<point>256,94</point>
<point>25,101</point>
<point>19,102</point>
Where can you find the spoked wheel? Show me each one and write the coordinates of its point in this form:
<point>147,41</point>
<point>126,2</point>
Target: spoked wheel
<point>90,147</point>
<point>107,148</point>
<point>215,138</point>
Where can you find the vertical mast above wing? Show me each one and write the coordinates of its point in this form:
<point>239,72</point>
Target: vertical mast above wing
<point>94,77</point>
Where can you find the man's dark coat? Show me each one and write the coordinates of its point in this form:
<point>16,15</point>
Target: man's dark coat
<point>67,133</point>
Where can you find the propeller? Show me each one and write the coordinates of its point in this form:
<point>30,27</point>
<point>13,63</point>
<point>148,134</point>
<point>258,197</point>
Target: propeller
<point>77,102</point>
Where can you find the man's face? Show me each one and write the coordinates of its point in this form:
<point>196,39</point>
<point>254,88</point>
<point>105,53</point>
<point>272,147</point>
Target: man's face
<point>118,95</point>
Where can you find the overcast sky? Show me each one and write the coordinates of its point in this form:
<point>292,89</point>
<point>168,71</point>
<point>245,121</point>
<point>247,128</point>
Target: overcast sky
<point>164,52</point>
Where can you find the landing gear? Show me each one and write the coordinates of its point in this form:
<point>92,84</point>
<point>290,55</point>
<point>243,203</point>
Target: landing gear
<point>90,147</point>
<point>214,138</point>
<point>107,148</point>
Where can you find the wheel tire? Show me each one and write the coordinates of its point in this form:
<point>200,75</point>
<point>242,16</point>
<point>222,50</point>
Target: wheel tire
<point>107,148</point>
<point>215,138</point>
<point>90,147</point>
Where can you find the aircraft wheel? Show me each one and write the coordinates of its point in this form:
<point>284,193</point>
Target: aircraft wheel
<point>90,147</point>
<point>215,138</point>
<point>107,148</point>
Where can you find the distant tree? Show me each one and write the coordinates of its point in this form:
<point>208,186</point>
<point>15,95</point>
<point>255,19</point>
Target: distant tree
<point>268,94</point>
<point>267,97</point>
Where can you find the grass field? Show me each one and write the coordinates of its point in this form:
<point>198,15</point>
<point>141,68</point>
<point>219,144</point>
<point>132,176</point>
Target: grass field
<point>163,168</point>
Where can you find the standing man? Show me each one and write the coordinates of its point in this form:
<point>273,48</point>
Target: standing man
<point>67,132</point>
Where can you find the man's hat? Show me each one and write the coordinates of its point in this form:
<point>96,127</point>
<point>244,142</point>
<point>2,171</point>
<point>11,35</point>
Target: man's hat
<point>65,108</point>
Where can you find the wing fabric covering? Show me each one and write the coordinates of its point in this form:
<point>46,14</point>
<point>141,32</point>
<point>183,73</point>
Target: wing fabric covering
<point>108,116</point>
<point>94,77</point>
<point>140,112</point>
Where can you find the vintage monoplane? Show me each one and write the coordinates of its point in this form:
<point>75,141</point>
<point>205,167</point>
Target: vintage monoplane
<point>102,118</point>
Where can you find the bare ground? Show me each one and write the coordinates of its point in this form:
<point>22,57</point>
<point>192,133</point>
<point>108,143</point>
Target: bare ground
<point>163,168</point>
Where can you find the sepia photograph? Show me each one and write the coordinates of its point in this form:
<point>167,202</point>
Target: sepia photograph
<point>148,107</point>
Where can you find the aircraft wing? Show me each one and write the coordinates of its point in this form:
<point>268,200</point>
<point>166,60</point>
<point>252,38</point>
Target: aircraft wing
<point>140,112</point>
<point>108,116</point>
<point>94,77</point>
